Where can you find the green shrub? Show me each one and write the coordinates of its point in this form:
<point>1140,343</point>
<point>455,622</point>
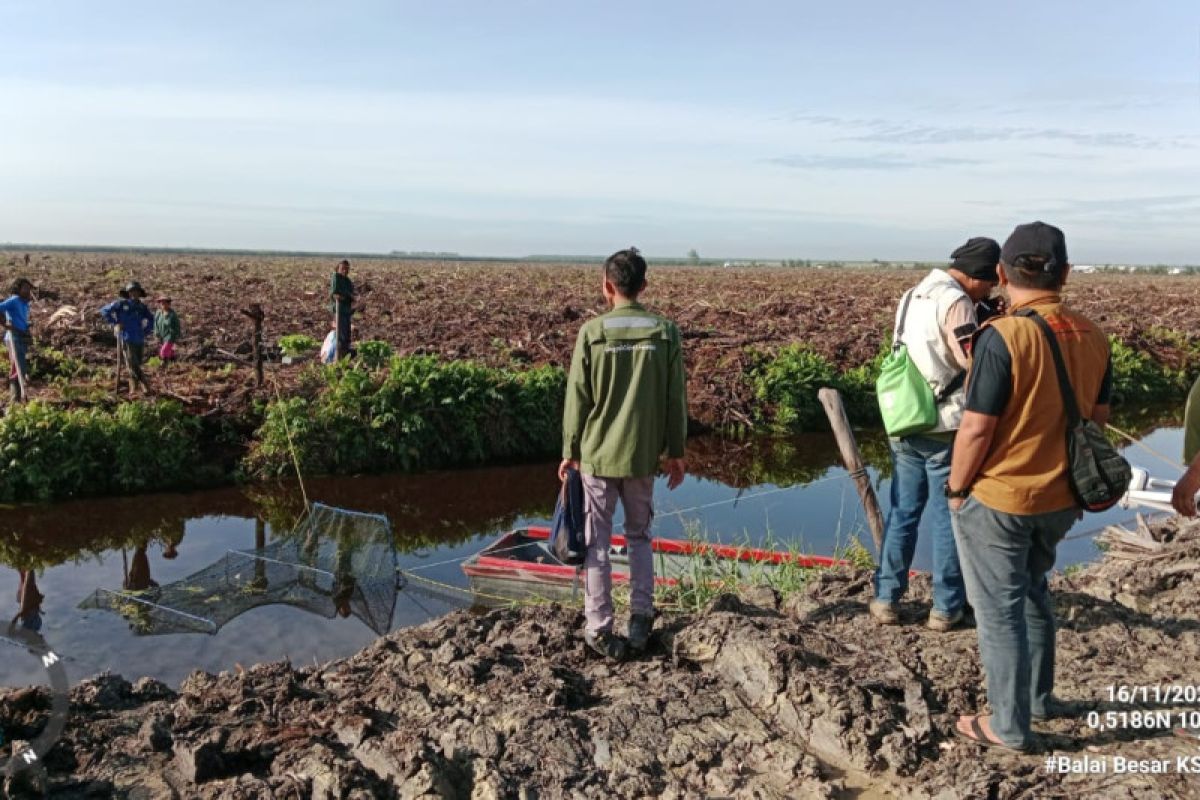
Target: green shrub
<point>420,413</point>
<point>49,363</point>
<point>787,385</point>
<point>1138,377</point>
<point>49,453</point>
<point>296,344</point>
<point>374,354</point>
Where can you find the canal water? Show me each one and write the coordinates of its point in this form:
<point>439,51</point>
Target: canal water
<point>785,493</point>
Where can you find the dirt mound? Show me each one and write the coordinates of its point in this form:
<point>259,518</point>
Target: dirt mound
<point>753,698</point>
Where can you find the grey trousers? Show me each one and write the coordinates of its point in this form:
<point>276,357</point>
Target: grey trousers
<point>1005,558</point>
<point>600,503</point>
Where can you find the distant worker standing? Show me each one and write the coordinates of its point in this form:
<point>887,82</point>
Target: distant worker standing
<point>166,329</point>
<point>133,320</point>
<point>17,339</point>
<point>935,321</point>
<point>625,408</point>
<point>341,290</point>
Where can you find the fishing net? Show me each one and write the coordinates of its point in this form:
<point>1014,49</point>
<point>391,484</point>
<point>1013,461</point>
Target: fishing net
<point>335,563</point>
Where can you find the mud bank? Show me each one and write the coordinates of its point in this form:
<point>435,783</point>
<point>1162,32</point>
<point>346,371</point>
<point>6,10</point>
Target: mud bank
<point>753,698</point>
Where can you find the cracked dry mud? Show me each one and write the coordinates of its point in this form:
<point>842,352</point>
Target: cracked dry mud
<point>752,698</point>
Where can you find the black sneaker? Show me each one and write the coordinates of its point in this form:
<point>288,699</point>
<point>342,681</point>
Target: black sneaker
<point>607,644</point>
<point>640,626</point>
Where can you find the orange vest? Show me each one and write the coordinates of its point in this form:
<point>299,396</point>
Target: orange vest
<point>1025,468</point>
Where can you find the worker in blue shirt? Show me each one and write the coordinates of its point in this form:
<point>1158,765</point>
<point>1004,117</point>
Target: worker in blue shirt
<point>134,320</point>
<point>14,313</point>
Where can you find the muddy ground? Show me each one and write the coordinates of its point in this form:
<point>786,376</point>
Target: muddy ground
<point>753,698</point>
<point>516,314</point>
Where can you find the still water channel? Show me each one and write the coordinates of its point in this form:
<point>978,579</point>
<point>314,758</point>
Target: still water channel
<point>782,492</point>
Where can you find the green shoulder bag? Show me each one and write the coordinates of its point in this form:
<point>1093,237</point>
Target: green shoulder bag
<point>906,402</point>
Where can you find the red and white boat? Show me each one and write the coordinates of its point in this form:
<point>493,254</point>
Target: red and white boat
<point>520,566</point>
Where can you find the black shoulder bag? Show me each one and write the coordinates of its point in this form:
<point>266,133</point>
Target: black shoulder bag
<point>1098,474</point>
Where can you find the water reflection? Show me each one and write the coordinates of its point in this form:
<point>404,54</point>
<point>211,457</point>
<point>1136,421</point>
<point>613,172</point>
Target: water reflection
<point>335,563</point>
<point>29,601</point>
<point>282,595</point>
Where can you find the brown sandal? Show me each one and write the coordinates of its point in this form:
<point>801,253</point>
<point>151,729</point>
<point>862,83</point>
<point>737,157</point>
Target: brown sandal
<point>979,736</point>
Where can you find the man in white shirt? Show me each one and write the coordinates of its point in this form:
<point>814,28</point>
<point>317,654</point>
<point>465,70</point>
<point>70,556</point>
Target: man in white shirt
<point>937,327</point>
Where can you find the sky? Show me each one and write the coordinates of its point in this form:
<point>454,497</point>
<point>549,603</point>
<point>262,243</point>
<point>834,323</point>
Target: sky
<point>854,130</point>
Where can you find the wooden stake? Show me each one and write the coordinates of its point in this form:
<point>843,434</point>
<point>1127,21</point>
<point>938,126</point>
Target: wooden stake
<point>11,347</point>
<point>337,322</point>
<point>852,459</point>
<point>120,357</point>
<point>255,313</point>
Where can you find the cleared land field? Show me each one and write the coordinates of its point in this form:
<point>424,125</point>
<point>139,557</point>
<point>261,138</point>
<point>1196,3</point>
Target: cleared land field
<point>510,314</point>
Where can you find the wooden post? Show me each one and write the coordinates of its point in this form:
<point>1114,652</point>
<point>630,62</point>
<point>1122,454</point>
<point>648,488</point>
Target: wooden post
<point>832,400</point>
<point>337,327</point>
<point>255,313</point>
<point>11,347</point>
<point>120,357</point>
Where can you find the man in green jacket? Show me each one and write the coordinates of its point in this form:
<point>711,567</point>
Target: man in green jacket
<point>626,406</point>
<point>1184,496</point>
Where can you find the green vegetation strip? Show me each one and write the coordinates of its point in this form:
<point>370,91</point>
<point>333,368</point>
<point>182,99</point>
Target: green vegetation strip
<point>786,385</point>
<point>418,413</point>
<point>382,412</point>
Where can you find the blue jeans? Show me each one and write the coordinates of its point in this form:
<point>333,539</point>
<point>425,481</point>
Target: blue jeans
<point>920,466</point>
<point>17,344</point>
<point>1005,558</point>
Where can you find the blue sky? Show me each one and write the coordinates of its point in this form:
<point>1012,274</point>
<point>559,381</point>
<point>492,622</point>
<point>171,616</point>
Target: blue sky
<point>756,129</point>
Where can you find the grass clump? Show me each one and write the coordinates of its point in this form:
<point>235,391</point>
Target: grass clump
<point>374,354</point>
<point>706,575</point>
<point>297,344</point>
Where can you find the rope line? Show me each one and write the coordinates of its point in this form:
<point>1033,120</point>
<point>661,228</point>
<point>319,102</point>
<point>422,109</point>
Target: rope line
<point>287,429</point>
<point>468,592</point>
<point>745,497</point>
<point>1174,464</point>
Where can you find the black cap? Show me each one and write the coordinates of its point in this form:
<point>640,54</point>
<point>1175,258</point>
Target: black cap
<point>977,259</point>
<point>1037,240</point>
<point>132,286</point>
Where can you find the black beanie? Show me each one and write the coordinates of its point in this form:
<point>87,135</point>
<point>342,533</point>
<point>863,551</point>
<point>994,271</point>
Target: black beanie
<point>978,258</point>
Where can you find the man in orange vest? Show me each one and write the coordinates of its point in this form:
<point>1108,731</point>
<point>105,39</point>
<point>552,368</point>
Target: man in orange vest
<point>1010,499</point>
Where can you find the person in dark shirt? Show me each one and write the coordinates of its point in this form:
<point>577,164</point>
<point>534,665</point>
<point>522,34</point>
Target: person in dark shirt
<point>133,320</point>
<point>166,329</point>
<point>1010,498</point>
<point>341,291</point>
<point>14,315</point>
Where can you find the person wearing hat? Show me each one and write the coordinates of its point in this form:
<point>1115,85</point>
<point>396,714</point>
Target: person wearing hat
<point>133,321</point>
<point>935,320</point>
<point>166,328</point>
<point>14,314</point>
<point>1010,498</point>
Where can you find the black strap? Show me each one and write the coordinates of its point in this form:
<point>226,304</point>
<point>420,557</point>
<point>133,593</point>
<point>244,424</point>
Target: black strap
<point>951,387</point>
<point>1064,382</point>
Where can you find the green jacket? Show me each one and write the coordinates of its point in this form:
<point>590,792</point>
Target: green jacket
<point>1191,424</point>
<point>626,398</point>
<point>166,326</point>
<point>341,284</point>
